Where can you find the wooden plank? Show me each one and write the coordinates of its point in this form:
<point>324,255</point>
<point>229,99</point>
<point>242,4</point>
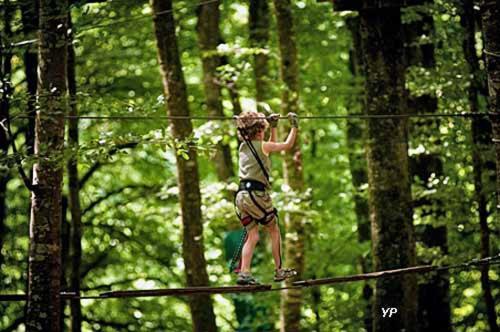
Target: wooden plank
<point>356,5</point>
<point>188,291</point>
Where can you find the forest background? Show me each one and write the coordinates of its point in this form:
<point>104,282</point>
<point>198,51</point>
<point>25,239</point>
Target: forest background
<point>128,232</point>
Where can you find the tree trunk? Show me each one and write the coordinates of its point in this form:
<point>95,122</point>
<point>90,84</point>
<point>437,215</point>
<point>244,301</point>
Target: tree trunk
<point>187,170</point>
<point>434,291</point>
<point>208,40</point>
<point>358,167</point>
<point>232,89</point>
<point>259,38</point>
<point>490,12</point>
<point>30,18</point>
<point>480,139</point>
<point>65,258</point>
<point>4,179</point>
<point>5,77</point>
<point>74,191</point>
<point>235,99</point>
<point>29,11</point>
<point>44,275</point>
<point>393,243</point>
<point>291,300</point>
<point>316,303</point>
<point>434,312</point>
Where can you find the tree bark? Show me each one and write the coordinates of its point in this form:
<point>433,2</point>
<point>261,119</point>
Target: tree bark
<point>259,38</point>
<point>232,89</point>
<point>187,170</point>
<point>393,243</point>
<point>358,167</point>
<point>208,40</point>
<point>65,254</point>
<point>480,139</point>
<point>74,190</point>
<point>4,179</point>
<point>235,99</point>
<point>316,302</point>
<point>490,15</point>
<point>5,77</point>
<point>44,275</point>
<point>30,17</point>
<point>291,300</point>
<point>434,310</point>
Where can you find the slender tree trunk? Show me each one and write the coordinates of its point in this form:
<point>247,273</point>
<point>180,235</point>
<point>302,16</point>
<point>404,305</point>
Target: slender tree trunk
<point>74,191</point>
<point>235,99</point>
<point>434,310</point>
<point>4,179</point>
<point>479,137</point>
<point>259,38</point>
<point>65,255</point>
<point>6,91</point>
<point>208,40</point>
<point>44,275</point>
<point>434,291</point>
<point>232,89</point>
<point>357,141</point>
<point>30,17</point>
<point>291,300</point>
<point>358,167</point>
<point>490,12</point>
<point>316,299</point>
<point>393,240</point>
<point>187,170</point>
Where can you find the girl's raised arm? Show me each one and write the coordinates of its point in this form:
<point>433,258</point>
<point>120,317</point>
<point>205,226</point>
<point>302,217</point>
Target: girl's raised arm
<point>271,146</point>
<point>273,122</point>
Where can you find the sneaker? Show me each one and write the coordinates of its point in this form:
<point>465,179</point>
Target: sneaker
<point>246,279</point>
<point>282,274</point>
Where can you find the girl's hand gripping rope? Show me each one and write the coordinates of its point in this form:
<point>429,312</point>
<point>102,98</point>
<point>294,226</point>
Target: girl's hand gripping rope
<point>273,120</point>
<point>294,120</point>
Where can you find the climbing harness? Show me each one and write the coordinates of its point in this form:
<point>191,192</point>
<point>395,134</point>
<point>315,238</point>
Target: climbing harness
<point>250,186</point>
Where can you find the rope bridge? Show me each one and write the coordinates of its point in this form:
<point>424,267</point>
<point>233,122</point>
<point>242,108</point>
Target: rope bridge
<point>193,291</point>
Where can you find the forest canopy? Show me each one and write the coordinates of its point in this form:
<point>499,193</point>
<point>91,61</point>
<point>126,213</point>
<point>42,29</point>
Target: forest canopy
<point>119,161</point>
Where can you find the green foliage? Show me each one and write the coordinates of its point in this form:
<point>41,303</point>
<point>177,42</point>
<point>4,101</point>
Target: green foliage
<point>132,226</point>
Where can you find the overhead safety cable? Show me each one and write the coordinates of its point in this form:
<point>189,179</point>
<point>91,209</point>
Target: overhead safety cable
<point>304,117</point>
<point>139,17</point>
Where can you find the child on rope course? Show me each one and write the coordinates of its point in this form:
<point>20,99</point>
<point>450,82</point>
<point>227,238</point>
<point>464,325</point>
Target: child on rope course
<point>252,199</point>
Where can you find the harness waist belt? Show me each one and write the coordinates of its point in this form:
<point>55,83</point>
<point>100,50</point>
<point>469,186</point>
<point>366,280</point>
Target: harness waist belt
<point>250,185</point>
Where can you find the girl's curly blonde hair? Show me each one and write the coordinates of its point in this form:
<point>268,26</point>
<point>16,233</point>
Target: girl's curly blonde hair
<point>251,124</point>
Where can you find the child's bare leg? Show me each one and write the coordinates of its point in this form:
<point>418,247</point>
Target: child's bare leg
<point>274,231</point>
<point>248,248</point>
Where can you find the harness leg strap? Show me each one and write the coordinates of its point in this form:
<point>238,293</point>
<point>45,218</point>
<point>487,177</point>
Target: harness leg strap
<point>265,219</point>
